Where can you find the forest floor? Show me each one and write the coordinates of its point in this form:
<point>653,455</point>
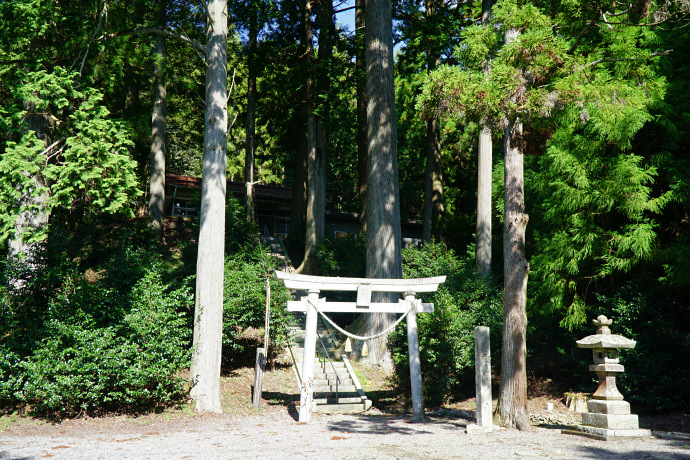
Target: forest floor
<point>385,432</point>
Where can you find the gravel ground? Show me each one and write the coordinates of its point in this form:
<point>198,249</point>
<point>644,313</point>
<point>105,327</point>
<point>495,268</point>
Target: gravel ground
<point>275,434</point>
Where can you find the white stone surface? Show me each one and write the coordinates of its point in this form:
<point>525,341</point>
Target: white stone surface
<point>597,406</point>
<point>611,421</point>
<point>611,434</point>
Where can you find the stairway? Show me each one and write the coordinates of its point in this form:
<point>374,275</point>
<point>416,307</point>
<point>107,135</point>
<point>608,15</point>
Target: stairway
<point>277,249</point>
<point>336,388</point>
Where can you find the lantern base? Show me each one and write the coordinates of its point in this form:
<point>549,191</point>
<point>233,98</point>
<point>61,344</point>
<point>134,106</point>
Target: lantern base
<point>605,434</point>
<point>611,421</point>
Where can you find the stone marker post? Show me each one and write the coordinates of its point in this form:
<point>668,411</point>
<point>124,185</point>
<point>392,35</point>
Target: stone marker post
<point>482,380</point>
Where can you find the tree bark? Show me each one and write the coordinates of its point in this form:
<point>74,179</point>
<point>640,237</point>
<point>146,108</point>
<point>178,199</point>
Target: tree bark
<point>208,311</point>
<point>251,117</point>
<point>433,178</point>
<point>512,405</point>
<point>158,125</point>
<point>316,161</point>
<point>484,168</point>
<point>512,401</point>
<point>433,183</point>
<point>360,73</point>
<point>384,240</point>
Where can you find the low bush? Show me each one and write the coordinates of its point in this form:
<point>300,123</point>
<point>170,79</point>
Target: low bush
<point>110,337</point>
<point>246,274</point>
<point>446,336</point>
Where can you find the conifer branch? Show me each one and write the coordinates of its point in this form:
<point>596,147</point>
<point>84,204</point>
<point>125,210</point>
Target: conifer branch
<point>152,30</point>
<point>599,61</point>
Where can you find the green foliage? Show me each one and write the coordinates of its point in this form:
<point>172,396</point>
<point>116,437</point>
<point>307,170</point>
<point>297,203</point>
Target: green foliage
<point>244,298</point>
<point>643,317</point>
<point>88,168</point>
<point>112,337</point>
<point>342,256</point>
<point>240,235</point>
<point>446,336</point>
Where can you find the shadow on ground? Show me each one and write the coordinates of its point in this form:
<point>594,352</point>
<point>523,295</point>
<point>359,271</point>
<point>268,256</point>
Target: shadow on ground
<point>396,424</point>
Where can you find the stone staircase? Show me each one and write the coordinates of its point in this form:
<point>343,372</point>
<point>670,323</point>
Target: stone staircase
<point>336,388</point>
<point>277,249</point>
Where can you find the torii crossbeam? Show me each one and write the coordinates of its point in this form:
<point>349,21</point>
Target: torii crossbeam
<point>364,288</point>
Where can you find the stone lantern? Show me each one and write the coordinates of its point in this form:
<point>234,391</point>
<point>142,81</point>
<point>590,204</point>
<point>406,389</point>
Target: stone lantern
<point>608,415</point>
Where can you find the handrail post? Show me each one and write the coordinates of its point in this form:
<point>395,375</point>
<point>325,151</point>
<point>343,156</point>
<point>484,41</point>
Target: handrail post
<point>415,363</point>
<point>307,391</point>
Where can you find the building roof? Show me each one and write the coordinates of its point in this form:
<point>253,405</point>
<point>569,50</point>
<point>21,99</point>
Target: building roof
<point>260,190</point>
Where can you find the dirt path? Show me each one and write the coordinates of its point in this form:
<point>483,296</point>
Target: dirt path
<point>275,434</point>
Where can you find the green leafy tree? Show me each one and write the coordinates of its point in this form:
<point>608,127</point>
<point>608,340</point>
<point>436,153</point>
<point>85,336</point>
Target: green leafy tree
<point>88,169</point>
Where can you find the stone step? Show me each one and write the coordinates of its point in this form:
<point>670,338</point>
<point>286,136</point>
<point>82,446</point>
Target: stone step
<point>332,381</point>
<point>331,388</point>
<point>335,408</point>
<point>340,400</point>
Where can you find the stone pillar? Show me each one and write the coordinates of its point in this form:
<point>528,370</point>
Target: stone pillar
<point>482,380</point>
<point>307,390</point>
<point>415,364</point>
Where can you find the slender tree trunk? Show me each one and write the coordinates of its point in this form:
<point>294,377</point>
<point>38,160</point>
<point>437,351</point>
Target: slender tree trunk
<point>512,400</point>
<point>433,178</point>
<point>251,117</point>
<point>299,186</point>
<point>433,186</point>
<point>208,311</point>
<point>158,125</point>
<point>360,73</point>
<point>384,240</point>
<point>484,163</point>
<point>315,217</point>
<point>484,168</point>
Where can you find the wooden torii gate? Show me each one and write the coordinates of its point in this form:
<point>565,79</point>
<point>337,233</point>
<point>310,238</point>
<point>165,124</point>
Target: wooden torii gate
<point>364,288</point>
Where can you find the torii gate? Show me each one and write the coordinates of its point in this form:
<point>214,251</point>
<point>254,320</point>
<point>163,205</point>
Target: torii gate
<point>364,287</point>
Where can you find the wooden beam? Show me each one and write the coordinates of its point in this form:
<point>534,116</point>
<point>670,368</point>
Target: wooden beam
<point>325,283</point>
<point>351,307</point>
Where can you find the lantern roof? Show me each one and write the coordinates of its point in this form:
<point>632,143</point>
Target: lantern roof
<point>603,338</point>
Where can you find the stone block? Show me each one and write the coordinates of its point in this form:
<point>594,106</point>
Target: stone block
<point>596,406</point>
<point>478,429</point>
<point>605,434</point>
<point>611,421</point>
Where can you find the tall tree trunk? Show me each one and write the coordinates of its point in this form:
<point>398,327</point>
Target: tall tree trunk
<point>484,167</point>
<point>208,311</point>
<point>433,177</point>
<point>251,116</point>
<point>360,73</point>
<point>384,240</point>
<point>433,183</point>
<point>512,400</point>
<point>158,125</point>
<point>316,165</point>
<point>299,186</point>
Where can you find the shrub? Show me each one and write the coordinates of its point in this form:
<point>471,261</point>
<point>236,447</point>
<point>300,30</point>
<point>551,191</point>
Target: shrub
<point>342,256</point>
<point>132,363</point>
<point>446,336</point>
<point>245,298</point>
